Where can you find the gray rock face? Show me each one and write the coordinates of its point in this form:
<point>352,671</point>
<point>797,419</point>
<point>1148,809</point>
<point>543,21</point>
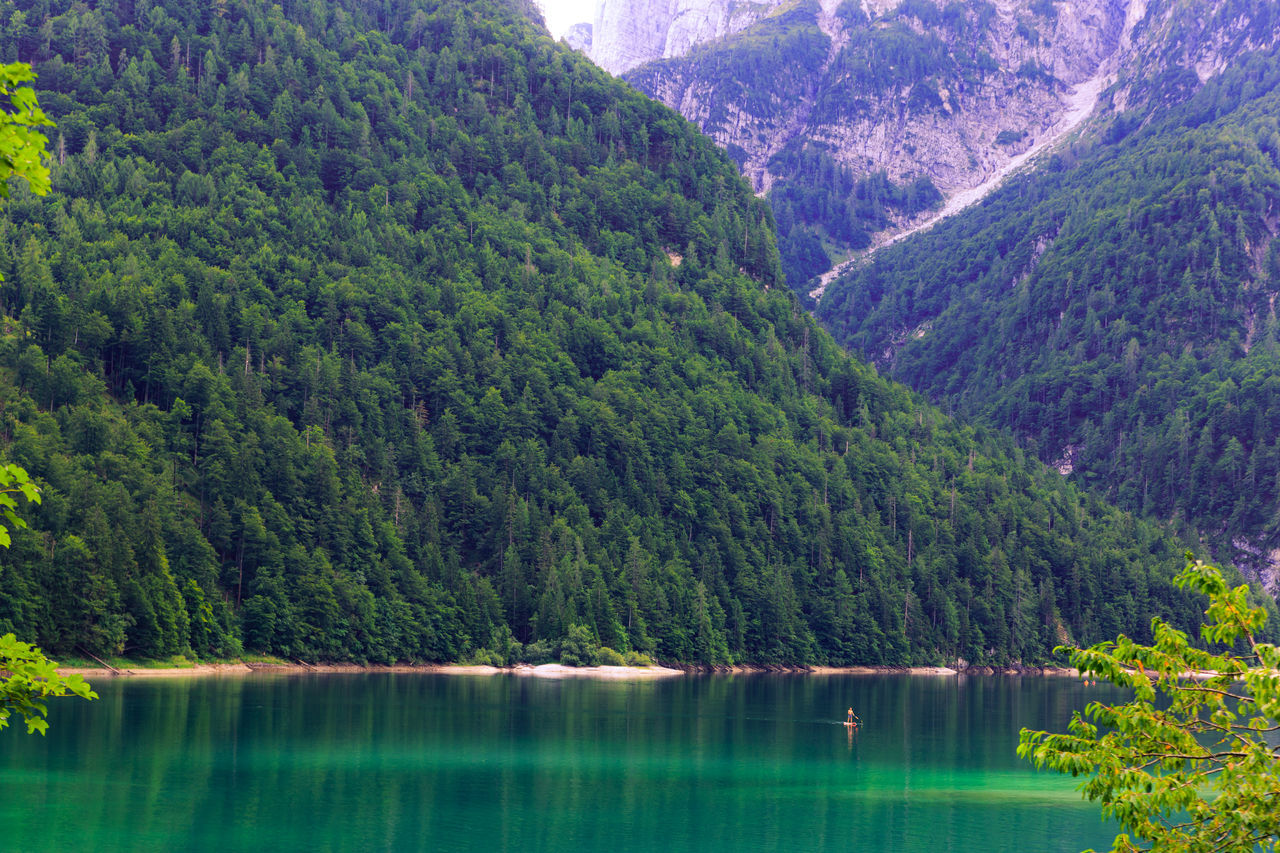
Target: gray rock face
<point>950,91</point>
<point>905,91</point>
<point>628,33</point>
<point>1172,46</point>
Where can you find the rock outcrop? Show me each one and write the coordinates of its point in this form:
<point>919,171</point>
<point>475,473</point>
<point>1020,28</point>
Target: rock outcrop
<point>951,91</point>
<point>578,37</point>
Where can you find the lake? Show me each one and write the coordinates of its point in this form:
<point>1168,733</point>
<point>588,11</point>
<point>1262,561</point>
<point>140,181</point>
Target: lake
<point>507,763</point>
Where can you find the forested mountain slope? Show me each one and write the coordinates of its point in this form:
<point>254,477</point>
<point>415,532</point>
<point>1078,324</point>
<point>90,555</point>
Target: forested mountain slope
<point>1117,309</point>
<point>371,332</point>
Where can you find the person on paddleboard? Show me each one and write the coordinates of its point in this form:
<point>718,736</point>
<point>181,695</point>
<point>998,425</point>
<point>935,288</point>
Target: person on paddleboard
<point>852,719</point>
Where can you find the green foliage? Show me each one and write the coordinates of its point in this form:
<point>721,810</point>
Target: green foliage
<point>503,650</point>
<point>606,656</point>
<point>538,652</point>
<point>485,657</point>
<point>30,679</point>
<point>1195,770</point>
<point>579,647</point>
<point>1122,297</point>
<point>14,481</point>
<point>27,677</point>
<point>22,144</point>
<point>816,195</point>
<point>634,658</point>
<point>364,334</point>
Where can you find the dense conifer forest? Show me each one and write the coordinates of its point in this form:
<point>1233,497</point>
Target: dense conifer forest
<point>1116,310</point>
<point>386,332</point>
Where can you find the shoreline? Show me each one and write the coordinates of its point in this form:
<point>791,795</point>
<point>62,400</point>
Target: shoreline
<point>548,670</point>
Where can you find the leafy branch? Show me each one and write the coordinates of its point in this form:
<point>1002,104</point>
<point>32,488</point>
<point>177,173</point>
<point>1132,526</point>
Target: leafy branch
<point>1195,772</point>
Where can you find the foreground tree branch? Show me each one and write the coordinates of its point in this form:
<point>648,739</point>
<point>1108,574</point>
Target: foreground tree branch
<point>1196,771</point>
<point>27,677</point>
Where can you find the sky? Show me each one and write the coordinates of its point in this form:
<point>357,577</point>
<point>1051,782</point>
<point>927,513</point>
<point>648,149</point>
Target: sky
<point>562,14</point>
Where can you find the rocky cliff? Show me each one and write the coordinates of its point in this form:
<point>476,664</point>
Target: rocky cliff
<point>913,90</point>
<point>860,117</point>
<point>1172,47</point>
<point>866,114</point>
<point>628,33</point>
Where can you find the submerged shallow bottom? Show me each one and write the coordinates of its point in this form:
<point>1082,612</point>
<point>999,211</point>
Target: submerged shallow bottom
<point>416,762</point>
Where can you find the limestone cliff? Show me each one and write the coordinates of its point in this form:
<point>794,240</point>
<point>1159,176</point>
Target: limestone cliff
<point>859,117</point>
<point>627,33</point>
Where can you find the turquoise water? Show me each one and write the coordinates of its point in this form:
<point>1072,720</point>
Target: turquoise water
<point>507,763</point>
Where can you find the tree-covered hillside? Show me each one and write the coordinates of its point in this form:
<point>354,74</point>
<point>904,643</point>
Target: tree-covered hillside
<point>397,332</point>
<point>1116,309</point>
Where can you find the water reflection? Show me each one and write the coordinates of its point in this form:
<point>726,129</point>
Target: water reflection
<point>410,762</point>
